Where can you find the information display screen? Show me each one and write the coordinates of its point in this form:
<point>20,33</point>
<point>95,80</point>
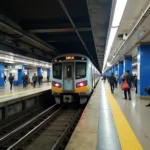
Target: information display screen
<point>69,58</point>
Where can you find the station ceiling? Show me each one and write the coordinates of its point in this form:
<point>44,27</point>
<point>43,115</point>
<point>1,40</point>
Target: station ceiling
<point>62,26</point>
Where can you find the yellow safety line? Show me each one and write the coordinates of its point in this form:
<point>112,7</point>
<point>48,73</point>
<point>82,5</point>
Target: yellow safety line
<point>128,139</point>
<point>7,95</point>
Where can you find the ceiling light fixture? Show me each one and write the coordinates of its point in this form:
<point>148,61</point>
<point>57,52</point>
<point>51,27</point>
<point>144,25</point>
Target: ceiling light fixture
<point>117,16</point>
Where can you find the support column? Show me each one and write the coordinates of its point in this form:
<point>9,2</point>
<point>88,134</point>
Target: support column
<point>128,64</point>
<point>39,71</point>
<point>112,69</point>
<point>20,74</point>
<point>143,70</point>
<point>120,71</point>
<point>48,75</point>
<point>1,75</point>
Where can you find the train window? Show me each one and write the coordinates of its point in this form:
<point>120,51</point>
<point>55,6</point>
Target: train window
<point>57,71</point>
<point>80,70</point>
<point>69,71</point>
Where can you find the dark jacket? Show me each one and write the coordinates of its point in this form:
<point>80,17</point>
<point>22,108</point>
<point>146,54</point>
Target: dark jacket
<point>25,78</point>
<point>128,78</point>
<point>11,79</point>
<point>34,78</point>
<point>112,79</point>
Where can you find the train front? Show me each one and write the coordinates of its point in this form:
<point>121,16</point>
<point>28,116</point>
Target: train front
<point>70,80</point>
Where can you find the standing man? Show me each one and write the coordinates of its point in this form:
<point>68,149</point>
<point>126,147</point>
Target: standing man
<point>104,78</point>
<point>25,80</point>
<point>4,78</point>
<point>11,79</point>
<point>128,78</point>
<point>112,81</point>
<point>34,79</point>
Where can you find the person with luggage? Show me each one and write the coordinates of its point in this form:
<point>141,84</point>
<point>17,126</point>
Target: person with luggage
<point>34,79</point>
<point>128,78</point>
<point>11,79</point>
<point>112,81</point>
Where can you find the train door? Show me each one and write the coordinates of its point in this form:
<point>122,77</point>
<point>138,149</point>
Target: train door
<point>68,76</point>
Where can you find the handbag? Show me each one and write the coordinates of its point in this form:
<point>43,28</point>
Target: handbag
<point>125,85</point>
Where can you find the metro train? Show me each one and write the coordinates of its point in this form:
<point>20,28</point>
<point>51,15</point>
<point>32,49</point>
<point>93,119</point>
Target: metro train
<point>73,78</point>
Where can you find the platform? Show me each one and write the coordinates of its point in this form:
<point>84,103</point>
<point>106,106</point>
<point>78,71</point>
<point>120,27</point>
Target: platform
<point>9,96</point>
<point>111,123</point>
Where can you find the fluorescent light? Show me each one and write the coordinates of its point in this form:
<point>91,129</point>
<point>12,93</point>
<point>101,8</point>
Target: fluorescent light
<point>11,62</point>
<point>119,9</point>
<point>134,64</point>
<point>27,62</point>
<point>17,60</point>
<point>108,64</point>
<point>4,58</point>
<point>117,16</point>
<point>112,35</point>
<point>35,63</point>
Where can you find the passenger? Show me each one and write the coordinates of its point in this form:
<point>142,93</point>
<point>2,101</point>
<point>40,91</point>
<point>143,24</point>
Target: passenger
<point>112,81</point>
<point>47,78</point>
<point>4,78</point>
<point>128,78</point>
<point>40,77</point>
<point>116,83</point>
<point>104,78</point>
<point>11,79</point>
<point>135,83</point>
<point>25,80</point>
<point>147,90</point>
<point>34,79</point>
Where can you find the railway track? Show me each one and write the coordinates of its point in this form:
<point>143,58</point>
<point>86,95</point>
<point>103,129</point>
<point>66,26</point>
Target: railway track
<point>48,130</point>
<point>14,122</point>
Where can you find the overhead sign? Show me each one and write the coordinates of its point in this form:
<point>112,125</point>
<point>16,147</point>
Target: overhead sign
<point>18,66</point>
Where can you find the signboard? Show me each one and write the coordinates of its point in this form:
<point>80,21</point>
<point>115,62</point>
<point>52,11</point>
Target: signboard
<point>18,66</point>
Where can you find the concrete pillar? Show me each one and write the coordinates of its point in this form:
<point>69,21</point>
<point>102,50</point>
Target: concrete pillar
<point>128,64</point>
<point>1,75</point>
<point>120,71</point>
<point>143,69</point>
<point>39,71</point>
<point>20,74</point>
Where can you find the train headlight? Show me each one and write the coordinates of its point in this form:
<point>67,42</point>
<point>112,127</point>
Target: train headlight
<point>81,84</point>
<point>56,84</point>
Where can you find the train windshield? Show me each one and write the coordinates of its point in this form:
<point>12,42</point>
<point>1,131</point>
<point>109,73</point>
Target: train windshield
<point>80,70</point>
<point>57,71</point>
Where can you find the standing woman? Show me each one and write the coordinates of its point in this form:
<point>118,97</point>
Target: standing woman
<point>128,78</point>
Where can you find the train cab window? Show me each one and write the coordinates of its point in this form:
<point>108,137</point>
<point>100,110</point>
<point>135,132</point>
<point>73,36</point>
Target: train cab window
<point>80,70</point>
<point>57,71</point>
<point>69,71</point>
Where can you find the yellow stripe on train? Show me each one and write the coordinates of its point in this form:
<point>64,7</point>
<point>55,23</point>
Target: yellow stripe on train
<point>77,90</point>
<point>57,90</point>
<point>82,89</point>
